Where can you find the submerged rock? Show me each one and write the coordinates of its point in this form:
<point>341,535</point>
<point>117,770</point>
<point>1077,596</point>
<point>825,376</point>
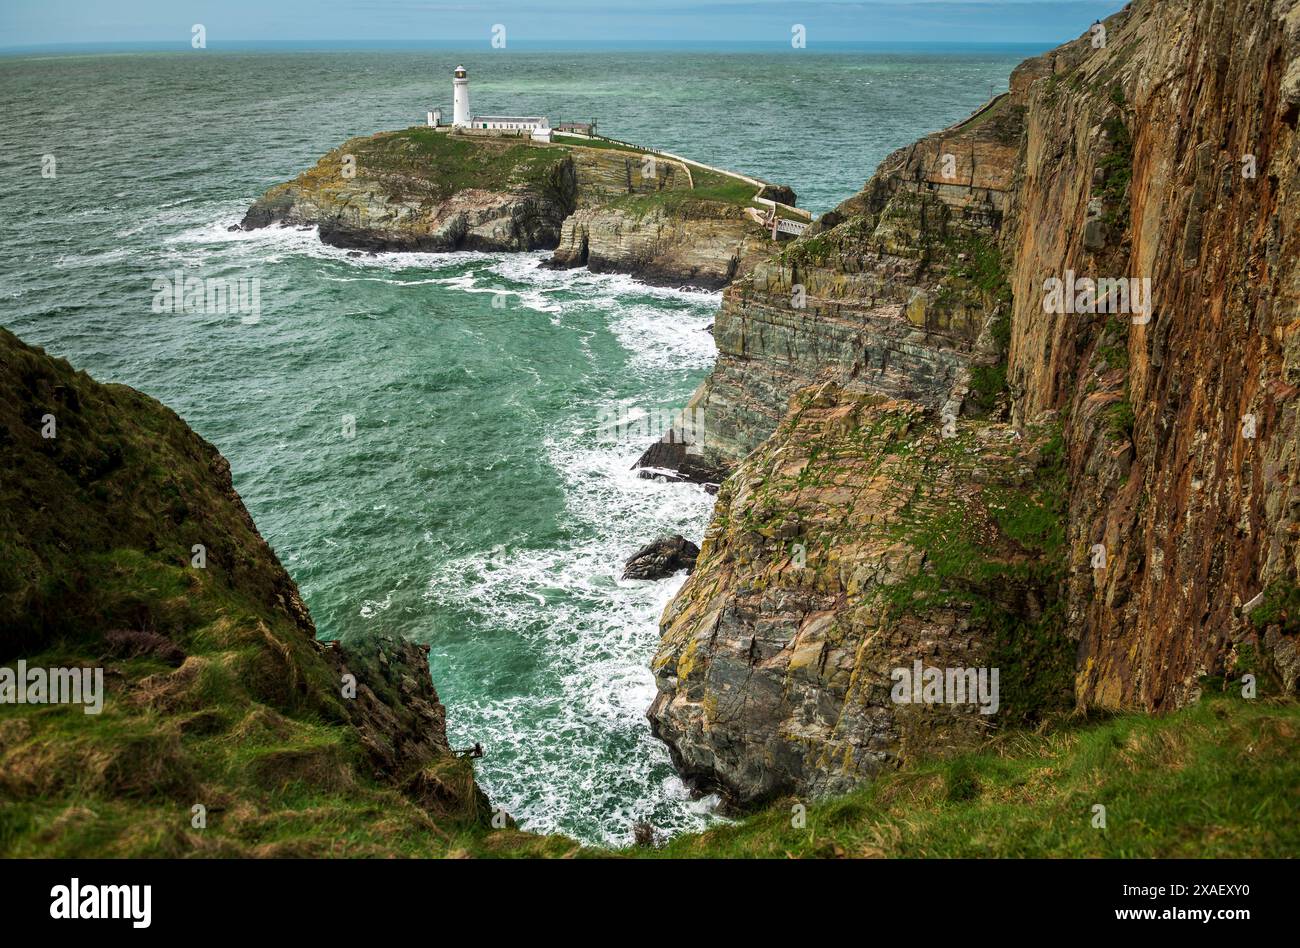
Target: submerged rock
<point>662,558</point>
<point>667,460</point>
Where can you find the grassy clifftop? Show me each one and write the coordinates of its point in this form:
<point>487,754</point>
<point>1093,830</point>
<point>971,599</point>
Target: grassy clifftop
<point>423,189</point>
<point>595,201</point>
<point>425,163</point>
<point>1218,779</point>
<point>216,693</point>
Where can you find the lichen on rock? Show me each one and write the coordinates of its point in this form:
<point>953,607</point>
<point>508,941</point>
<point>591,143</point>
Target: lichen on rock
<point>854,541</point>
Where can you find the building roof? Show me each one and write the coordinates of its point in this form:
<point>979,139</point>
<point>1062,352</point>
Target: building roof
<point>508,118</point>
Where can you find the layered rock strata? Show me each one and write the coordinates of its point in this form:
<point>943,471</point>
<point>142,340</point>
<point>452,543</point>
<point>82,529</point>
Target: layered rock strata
<point>890,288</point>
<point>855,541</point>
<point>1155,555</point>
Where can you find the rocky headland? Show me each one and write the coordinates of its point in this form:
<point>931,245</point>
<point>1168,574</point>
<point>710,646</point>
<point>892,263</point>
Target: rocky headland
<point>596,204</point>
<point>226,728</point>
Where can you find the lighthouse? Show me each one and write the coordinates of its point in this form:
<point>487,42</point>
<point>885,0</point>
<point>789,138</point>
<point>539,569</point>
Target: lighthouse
<point>460,114</point>
<point>464,122</point>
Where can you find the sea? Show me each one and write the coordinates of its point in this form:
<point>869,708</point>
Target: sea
<point>438,446</point>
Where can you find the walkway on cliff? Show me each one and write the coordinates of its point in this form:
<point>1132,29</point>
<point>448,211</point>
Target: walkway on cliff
<point>783,225</point>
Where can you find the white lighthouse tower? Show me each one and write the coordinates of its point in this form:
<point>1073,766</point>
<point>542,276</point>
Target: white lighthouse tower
<point>460,114</point>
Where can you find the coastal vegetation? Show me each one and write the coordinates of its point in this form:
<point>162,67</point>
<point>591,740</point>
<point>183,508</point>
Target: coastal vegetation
<point>439,165</point>
<point>226,728</point>
<point>1216,779</point>
<point>598,203</point>
<point>707,185</point>
<point>1148,704</point>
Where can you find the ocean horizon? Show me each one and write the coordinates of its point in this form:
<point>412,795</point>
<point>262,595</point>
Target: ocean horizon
<point>477,45</point>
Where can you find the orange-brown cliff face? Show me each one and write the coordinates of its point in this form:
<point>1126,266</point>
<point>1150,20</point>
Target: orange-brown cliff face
<point>1196,515</point>
<point>1114,504</point>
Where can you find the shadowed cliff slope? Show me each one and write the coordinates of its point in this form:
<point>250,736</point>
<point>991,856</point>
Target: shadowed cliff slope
<point>1170,155</point>
<point>216,692</point>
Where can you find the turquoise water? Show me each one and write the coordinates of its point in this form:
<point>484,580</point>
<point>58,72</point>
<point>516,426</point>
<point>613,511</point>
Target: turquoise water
<point>423,439</point>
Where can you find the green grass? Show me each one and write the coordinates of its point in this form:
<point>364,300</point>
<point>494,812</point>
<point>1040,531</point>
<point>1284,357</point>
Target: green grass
<point>1008,577</point>
<point>981,265</point>
<point>709,184</point>
<point>1218,779</point>
<point>978,262</point>
<point>1120,418</point>
<point>461,161</point>
<point>1281,607</point>
<point>987,383</point>
<point>1117,164</point>
<point>251,725</point>
<point>215,690</point>
<point>422,163</point>
<point>1113,346</point>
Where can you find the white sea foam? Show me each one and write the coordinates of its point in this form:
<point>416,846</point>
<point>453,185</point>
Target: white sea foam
<point>584,761</point>
<point>577,754</point>
<point>595,633</point>
<point>73,261</point>
<point>273,243</point>
<point>654,337</point>
<point>372,607</point>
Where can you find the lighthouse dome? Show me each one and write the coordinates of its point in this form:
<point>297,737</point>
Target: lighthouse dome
<point>460,72</point>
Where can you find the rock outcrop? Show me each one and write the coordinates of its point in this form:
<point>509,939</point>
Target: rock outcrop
<point>1108,493</point>
<point>857,540</point>
<point>125,547</point>
<point>1170,155</point>
<point>891,287</point>
<point>702,245</point>
<point>607,209</point>
<point>421,190</point>
<point>661,558</point>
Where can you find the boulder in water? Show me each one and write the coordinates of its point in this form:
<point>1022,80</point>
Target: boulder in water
<point>662,558</point>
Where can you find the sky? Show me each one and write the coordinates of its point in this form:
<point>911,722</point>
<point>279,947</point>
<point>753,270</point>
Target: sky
<point>532,23</point>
